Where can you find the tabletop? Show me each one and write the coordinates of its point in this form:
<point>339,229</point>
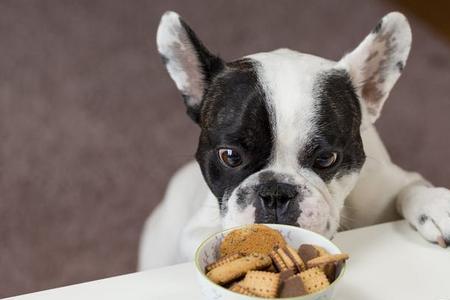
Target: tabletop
<point>387,261</point>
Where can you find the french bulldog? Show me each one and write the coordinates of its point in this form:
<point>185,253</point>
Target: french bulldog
<point>287,137</point>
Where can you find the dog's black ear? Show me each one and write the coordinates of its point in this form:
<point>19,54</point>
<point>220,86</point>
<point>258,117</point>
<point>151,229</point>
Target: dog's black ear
<point>187,60</point>
<point>376,64</point>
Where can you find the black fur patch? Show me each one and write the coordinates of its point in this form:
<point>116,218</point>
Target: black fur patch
<point>422,219</point>
<point>377,27</point>
<point>193,111</point>
<point>164,59</point>
<point>337,124</point>
<point>234,114</point>
<point>266,176</point>
<point>447,240</point>
<point>211,65</point>
<point>400,66</point>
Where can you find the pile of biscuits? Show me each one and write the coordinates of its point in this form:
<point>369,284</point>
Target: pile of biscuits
<point>257,261</point>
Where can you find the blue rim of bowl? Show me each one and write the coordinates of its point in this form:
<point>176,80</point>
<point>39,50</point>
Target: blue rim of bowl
<point>202,272</point>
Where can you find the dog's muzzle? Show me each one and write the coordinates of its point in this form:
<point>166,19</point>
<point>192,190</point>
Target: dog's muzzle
<point>277,203</point>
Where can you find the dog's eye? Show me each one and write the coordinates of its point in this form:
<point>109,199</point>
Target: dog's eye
<point>230,158</point>
<point>325,160</point>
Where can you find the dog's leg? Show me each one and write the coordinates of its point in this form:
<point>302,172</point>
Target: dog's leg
<point>427,208</point>
<point>205,222</point>
<point>160,239</point>
<point>384,189</point>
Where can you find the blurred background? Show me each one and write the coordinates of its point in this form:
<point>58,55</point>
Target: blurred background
<point>92,127</point>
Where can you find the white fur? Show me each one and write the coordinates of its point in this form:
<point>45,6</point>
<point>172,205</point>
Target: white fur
<point>416,201</point>
<point>180,221</point>
<point>287,78</point>
<point>235,215</point>
<point>167,36</point>
<point>393,38</point>
<point>182,62</point>
<point>190,212</point>
<point>315,213</point>
<point>340,189</point>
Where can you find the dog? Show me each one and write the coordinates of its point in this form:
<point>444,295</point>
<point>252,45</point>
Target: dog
<point>288,138</point>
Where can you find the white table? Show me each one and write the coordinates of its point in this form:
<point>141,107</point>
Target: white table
<point>387,261</point>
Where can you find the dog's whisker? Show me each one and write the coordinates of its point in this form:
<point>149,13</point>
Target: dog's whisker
<point>347,218</point>
<point>345,222</point>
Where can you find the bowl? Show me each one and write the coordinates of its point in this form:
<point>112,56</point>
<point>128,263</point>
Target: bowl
<point>208,252</point>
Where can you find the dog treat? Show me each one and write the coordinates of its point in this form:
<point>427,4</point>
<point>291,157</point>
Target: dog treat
<point>278,261</point>
<point>262,284</point>
<point>314,280</point>
<point>337,270</point>
<point>330,271</point>
<point>293,255</point>
<point>328,264</point>
<point>286,258</point>
<point>250,239</point>
<point>326,259</point>
<point>233,284</point>
<point>292,287</point>
<point>272,268</point>
<point>238,268</point>
<point>284,275</point>
<point>222,261</point>
<point>307,252</point>
<point>282,252</point>
<point>256,261</point>
<point>237,288</point>
<point>321,250</point>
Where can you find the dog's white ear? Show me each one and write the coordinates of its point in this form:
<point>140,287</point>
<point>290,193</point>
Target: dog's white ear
<point>187,60</point>
<point>376,64</point>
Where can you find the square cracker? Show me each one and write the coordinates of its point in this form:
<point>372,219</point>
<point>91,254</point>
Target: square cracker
<point>263,284</point>
<point>314,280</point>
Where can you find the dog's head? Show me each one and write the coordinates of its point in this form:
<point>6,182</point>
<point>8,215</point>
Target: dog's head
<point>280,131</point>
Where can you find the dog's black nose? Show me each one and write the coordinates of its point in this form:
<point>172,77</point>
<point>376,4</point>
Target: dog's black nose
<point>276,196</point>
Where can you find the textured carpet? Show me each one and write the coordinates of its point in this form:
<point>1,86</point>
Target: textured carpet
<point>92,127</point>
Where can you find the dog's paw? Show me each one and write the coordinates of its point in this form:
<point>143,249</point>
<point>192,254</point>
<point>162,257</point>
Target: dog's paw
<point>428,210</point>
